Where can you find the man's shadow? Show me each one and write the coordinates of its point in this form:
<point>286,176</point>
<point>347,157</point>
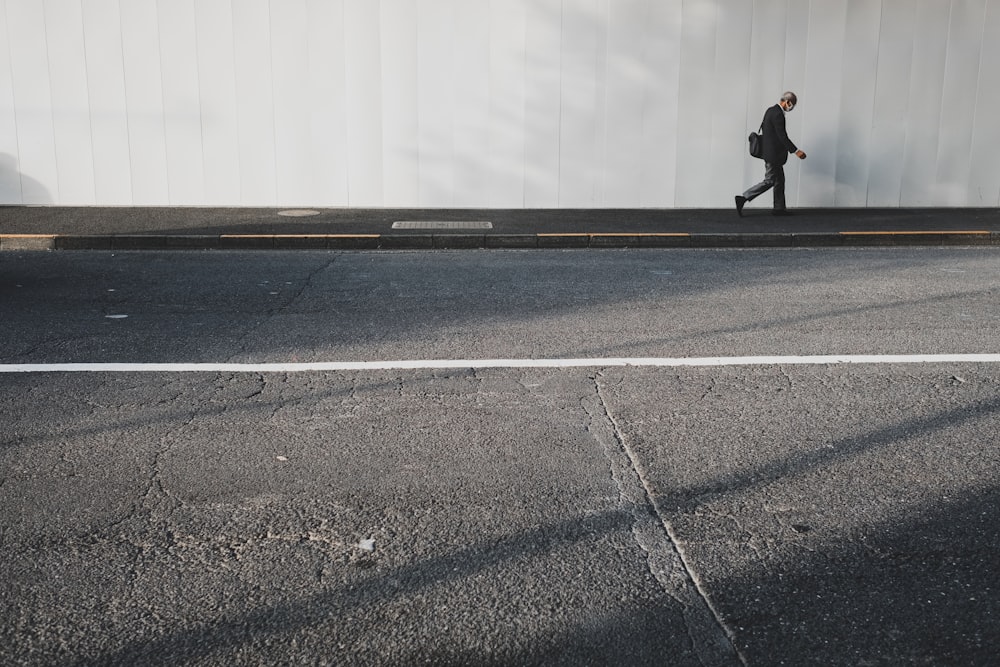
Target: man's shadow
<point>16,188</point>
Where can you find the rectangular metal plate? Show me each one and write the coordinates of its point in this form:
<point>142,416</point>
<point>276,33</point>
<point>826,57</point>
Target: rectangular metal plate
<point>442,224</point>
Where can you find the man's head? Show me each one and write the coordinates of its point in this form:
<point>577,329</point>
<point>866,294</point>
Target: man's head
<point>788,101</point>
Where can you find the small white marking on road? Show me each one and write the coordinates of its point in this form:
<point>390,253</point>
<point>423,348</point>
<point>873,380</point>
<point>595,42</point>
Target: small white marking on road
<point>116,317</point>
<point>444,364</point>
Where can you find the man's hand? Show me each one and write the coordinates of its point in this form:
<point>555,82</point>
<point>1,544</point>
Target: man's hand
<point>800,155</point>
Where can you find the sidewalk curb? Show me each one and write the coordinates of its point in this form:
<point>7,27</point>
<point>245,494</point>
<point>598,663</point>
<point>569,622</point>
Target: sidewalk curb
<point>453,241</point>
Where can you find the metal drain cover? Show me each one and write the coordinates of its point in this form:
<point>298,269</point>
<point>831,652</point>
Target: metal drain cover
<point>442,224</point>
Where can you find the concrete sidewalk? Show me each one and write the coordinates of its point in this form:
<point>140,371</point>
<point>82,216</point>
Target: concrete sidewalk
<point>47,228</point>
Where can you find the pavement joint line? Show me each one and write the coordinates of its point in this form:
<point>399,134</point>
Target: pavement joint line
<point>912,233</point>
<point>579,234</point>
<point>300,236</point>
<point>444,364</point>
<point>714,641</point>
<point>492,240</point>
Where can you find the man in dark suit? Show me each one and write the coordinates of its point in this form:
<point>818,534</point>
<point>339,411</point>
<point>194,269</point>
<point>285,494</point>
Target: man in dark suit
<point>777,146</point>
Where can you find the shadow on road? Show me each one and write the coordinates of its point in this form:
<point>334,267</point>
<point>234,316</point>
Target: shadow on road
<point>920,590</point>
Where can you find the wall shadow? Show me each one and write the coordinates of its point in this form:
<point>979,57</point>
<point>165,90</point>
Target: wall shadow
<point>17,188</point>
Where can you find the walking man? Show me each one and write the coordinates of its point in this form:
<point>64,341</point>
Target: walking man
<point>777,146</point>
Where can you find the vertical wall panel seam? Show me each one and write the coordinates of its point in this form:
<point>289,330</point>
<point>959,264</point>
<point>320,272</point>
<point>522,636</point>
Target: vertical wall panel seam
<point>644,100</point>
<point>418,144</point>
<point>314,188</point>
<point>347,112</point>
<point>871,125</point>
<point>416,106</point>
<point>909,96</point>
<point>840,99</point>
<point>746,99</point>
<point>941,106</point>
<point>524,113</point>
<point>598,167</point>
<point>13,98</point>
<point>201,106</point>
<point>713,141</point>
<point>562,43</point>
<point>236,103</point>
<point>383,146</point>
<point>490,115</point>
<point>679,102</point>
<point>805,78</point>
<point>383,153</point>
<point>381,102</point>
<point>488,120</point>
<point>798,181</point>
<point>968,153</point>
<point>52,120</point>
<point>846,46</point>
<point>455,91</point>
<point>274,104</point>
<point>981,56</point>
<point>90,110</point>
<point>163,103</point>
<point>906,119</point>
<point>979,88</point>
<point>128,133</point>
<point>602,149</point>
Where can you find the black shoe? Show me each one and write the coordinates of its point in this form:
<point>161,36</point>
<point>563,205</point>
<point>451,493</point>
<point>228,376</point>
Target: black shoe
<point>782,213</point>
<point>740,203</point>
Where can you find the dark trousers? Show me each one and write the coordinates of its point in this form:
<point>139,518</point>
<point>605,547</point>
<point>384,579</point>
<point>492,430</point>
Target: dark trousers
<point>774,177</point>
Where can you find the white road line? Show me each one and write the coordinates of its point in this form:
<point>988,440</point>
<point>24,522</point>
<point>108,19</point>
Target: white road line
<point>436,364</point>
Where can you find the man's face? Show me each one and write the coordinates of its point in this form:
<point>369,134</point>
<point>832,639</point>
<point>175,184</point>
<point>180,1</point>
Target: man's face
<point>787,105</point>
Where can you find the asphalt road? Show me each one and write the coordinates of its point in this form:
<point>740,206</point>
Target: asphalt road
<point>761,515</point>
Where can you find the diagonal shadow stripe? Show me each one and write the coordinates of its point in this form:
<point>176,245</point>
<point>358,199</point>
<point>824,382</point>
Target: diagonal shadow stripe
<point>690,498</point>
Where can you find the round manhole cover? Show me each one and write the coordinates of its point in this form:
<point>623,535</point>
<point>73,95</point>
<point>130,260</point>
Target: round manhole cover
<point>298,212</point>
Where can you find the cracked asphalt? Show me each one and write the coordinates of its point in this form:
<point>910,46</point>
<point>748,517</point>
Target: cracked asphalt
<point>756,515</point>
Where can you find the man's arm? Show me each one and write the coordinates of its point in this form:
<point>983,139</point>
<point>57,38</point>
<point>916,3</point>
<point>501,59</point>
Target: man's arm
<point>779,126</point>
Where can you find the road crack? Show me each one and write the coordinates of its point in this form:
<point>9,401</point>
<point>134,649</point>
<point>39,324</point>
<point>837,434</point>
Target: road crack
<point>712,640</point>
<point>268,314</point>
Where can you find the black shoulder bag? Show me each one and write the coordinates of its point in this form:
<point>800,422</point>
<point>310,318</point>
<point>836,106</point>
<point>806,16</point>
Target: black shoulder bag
<point>757,142</point>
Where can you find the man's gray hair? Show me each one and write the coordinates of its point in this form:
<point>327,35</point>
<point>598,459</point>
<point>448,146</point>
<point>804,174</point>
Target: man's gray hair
<point>789,96</point>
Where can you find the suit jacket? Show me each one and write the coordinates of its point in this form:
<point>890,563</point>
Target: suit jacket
<point>777,145</point>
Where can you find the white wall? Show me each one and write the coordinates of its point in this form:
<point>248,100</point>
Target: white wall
<point>494,103</point>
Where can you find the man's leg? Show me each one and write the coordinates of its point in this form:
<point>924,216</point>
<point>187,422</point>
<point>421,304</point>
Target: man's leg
<point>777,175</point>
<point>757,190</point>
<point>765,185</point>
